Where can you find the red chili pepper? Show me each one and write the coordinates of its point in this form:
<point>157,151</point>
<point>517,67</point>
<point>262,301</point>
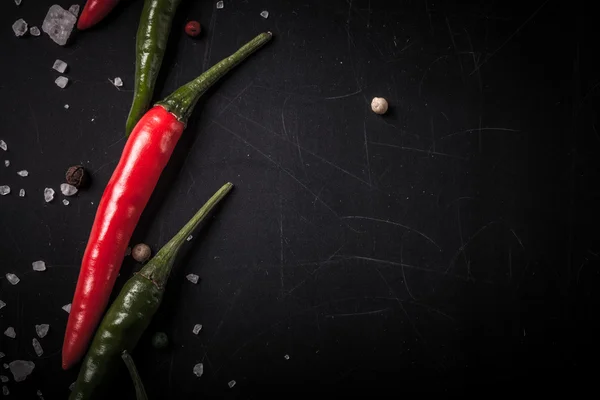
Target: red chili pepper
<point>94,11</point>
<point>146,153</point>
<point>192,28</point>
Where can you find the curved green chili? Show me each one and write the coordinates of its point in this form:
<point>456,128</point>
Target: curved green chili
<point>151,43</point>
<point>131,313</point>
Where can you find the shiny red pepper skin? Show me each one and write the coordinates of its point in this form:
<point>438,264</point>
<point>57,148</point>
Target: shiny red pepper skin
<point>94,11</point>
<point>145,155</point>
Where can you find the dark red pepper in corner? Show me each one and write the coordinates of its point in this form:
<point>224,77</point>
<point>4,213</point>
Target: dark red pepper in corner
<point>94,12</point>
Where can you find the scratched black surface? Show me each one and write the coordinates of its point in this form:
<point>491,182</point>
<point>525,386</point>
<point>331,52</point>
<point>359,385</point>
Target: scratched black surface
<point>445,247</point>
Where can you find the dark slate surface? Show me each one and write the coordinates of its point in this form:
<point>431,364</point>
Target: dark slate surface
<point>449,246</point>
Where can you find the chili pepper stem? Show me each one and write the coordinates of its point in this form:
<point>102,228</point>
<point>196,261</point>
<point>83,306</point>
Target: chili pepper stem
<point>182,102</point>
<point>140,391</point>
<point>159,268</point>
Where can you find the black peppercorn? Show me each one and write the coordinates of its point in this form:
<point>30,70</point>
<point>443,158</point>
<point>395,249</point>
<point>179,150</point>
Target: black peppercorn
<point>77,176</point>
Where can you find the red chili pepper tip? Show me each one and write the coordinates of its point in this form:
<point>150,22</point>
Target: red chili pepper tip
<point>192,28</point>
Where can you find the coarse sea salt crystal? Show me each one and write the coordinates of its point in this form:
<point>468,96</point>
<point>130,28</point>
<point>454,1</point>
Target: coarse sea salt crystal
<point>4,190</point>
<point>18,2</point>
<point>287,357</point>
<point>6,163</point>
<point>67,308</point>
<point>74,9</point>
<point>48,195</point>
<point>189,238</point>
<point>37,347</point>
<point>35,31</point>
<point>2,305</point>
<point>66,106</point>
<point>59,24</point>
<point>67,190</point>
<point>2,354</point>
<point>10,332</point>
<point>231,383</point>
<point>199,369</point>
<point>38,265</point>
<point>23,173</point>
<point>60,66</point>
<point>22,193</point>
<point>42,330</point>
<point>3,145</point>
<point>197,329</point>
<point>19,27</point>
<point>192,278</point>
<point>61,82</point>
<point>65,202</point>
<point>264,14</point>
<point>118,82</point>
<point>12,278</point>
<point>21,369</point>
<point>220,4</point>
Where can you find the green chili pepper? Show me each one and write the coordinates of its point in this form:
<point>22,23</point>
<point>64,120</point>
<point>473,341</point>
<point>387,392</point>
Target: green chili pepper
<point>140,391</point>
<point>130,314</point>
<point>151,43</point>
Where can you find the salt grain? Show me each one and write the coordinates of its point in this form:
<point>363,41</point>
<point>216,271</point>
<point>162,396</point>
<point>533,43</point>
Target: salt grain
<point>6,163</point>
<point>264,14</point>
<point>2,354</point>
<point>4,190</point>
<point>35,31</point>
<point>48,195</point>
<point>74,9</point>
<point>21,369</point>
<point>19,27</point>
<point>3,145</point>
<point>2,305</point>
<point>12,278</point>
<point>59,24</point>
<point>3,378</point>
<point>65,202</point>
<point>66,106</point>
<point>287,357</point>
<point>5,391</point>
<point>189,238</point>
<point>67,308</point>
<point>62,82</point>
<point>231,383</point>
<point>23,173</point>
<point>197,329</point>
<point>192,278</point>
<point>60,66</point>
<point>67,190</point>
<point>118,82</point>
<point>42,330</point>
<point>18,2</point>
<point>38,266</point>
<point>22,193</point>
<point>199,369</point>
<point>10,332</point>
<point>37,347</point>
<point>220,4</point>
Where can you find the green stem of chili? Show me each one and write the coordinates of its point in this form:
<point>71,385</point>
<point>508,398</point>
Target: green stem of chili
<point>159,268</point>
<point>182,101</point>
<point>151,42</point>
<point>140,391</point>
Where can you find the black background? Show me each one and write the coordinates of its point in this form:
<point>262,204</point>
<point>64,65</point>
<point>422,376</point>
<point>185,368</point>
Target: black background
<point>449,246</point>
